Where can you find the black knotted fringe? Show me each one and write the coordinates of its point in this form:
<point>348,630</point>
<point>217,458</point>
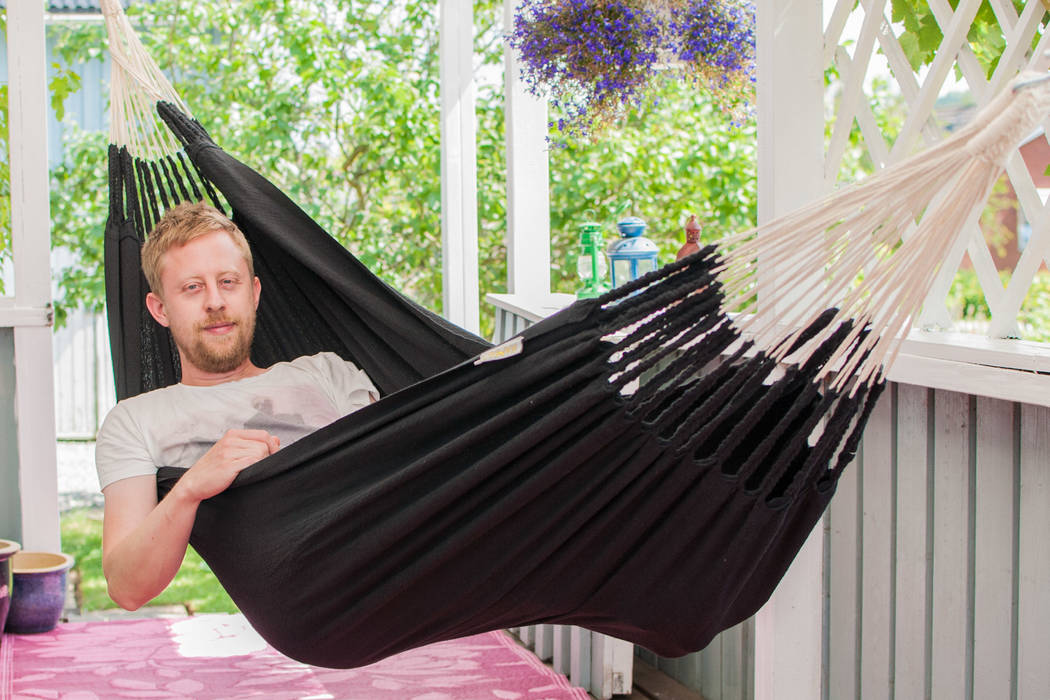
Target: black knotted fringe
<point>640,468</point>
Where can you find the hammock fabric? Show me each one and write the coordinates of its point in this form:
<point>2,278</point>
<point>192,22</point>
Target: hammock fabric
<point>615,474</point>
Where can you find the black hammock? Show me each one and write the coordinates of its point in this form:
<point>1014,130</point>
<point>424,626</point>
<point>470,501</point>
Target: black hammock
<point>636,469</point>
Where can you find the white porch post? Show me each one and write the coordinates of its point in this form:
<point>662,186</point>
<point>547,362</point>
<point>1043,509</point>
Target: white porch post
<point>459,209</point>
<point>788,630</point>
<point>31,248</point>
<point>528,179</point>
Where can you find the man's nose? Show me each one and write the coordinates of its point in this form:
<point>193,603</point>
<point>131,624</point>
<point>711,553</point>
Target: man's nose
<point>213,299</point>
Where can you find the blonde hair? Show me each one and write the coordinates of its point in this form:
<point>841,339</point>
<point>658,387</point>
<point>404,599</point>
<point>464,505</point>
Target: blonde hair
<point>180,225</point>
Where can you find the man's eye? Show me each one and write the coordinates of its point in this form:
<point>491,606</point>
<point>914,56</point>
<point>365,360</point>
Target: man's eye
<point>192,287</point>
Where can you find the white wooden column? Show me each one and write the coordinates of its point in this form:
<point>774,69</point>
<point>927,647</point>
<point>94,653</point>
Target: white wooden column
<point>788,639</point>
<point>528,179</point>
<point>459,188</point>
<point>31,247</point>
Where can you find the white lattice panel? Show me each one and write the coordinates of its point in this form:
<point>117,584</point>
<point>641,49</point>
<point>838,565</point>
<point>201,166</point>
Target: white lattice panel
<point>862,43</point>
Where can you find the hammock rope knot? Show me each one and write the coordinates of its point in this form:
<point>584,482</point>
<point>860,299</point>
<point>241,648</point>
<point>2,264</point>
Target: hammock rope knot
<point>1007,120</point>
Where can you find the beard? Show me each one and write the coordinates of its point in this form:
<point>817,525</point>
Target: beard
<point>219,354</point>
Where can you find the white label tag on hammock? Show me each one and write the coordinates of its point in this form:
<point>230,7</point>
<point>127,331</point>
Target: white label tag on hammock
<point>512,347</point>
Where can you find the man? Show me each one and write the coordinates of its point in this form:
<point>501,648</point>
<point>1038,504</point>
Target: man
<point>224,415</point>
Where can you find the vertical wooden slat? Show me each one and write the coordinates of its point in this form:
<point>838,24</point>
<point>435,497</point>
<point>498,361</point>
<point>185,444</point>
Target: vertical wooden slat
<point>877,551</point>
<point>580,658</point>
<point>562,649</point>
<point>842,650</point>
<point>497,326</point>
<point>1033,600</point>
<point>951,604</point>
<point>913,556</point>
<point>64,378</point>
<point>690,666</point>
<point>673,667</point>
<point>993,555</point>
<point>612,665</point>
<point>527,635</point>
<point>747,687</point>
<point>707,675</point>
<point>544,646</point>
<point>723,670</point>
<point>81,381</point>
<point>736,657</point>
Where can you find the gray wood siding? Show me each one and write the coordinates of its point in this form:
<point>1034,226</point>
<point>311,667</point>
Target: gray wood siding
<point>937,576</point>
<point>724,670</point>
<point>938,549</point>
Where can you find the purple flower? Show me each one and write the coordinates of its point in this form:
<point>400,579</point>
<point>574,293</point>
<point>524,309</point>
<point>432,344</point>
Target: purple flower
<point>595,59</point>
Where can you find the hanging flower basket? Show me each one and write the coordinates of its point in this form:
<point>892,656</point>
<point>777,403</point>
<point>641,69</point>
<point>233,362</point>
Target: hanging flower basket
<point>595,59</point>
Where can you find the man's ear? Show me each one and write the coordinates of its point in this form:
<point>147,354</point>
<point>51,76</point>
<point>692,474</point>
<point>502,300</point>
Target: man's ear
<point>256,290</point>
<point>156,309</point>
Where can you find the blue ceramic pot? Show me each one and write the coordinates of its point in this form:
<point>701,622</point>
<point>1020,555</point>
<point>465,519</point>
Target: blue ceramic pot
<point>7,550</point>
<point>39,591</point>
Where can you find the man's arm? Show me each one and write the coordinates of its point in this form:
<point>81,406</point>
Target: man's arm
<point>143,541</point>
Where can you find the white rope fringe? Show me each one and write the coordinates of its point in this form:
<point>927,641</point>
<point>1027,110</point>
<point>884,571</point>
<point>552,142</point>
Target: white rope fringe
<point>859,250</point>
<point>136,85</point>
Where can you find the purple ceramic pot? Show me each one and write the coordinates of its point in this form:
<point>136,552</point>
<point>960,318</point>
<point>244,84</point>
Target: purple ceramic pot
<point>7,550</point>
<point>39,591</point>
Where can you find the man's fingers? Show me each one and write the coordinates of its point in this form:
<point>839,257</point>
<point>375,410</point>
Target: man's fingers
<point>253,438</point>
<point>249,434</point>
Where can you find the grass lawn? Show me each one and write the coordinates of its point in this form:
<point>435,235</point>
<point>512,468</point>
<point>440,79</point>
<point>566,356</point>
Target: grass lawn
<point>195,586</point>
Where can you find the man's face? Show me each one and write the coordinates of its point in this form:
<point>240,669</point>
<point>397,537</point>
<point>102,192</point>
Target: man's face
<point>209,302</point>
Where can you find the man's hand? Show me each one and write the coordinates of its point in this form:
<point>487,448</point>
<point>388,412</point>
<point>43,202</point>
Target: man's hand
<point>143,542</point>
<point>216,470</point>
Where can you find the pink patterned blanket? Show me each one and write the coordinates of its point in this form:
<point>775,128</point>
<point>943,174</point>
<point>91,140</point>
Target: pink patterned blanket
<point>220,656</point>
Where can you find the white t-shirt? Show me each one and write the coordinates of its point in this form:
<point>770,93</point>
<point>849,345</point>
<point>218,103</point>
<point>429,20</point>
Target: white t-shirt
<point>176,425</point>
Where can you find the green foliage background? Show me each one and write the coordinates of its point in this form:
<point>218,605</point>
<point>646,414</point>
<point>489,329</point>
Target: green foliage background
<point>338,104</point>
<point>194,587</point>
<point>923,34</point>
